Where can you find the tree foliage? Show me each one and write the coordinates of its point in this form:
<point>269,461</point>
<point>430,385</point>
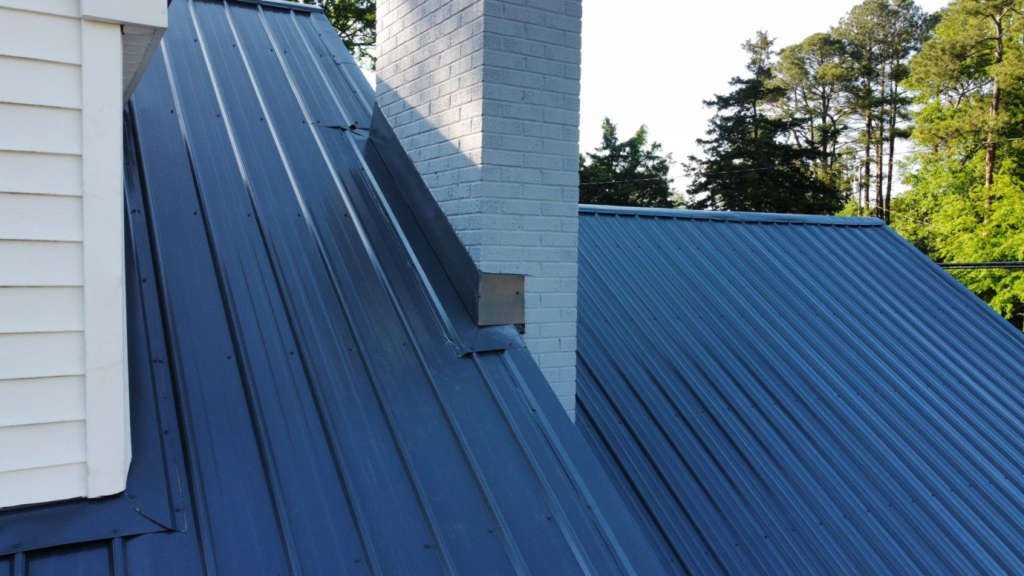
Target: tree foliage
<point>830,113</point>
<point>812,77</point>
<point>750,162</point>
<point>632,172</point>
<point>966,200</point>
<point>356,23</point>
<point>879,37</point>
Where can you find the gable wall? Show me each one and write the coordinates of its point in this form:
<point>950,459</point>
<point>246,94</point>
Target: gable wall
<point>63,414</point>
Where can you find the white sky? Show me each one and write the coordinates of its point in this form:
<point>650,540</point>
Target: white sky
<point>655,61</point>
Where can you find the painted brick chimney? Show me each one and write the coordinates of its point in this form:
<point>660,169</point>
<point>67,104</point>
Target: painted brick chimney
<point>484,95</point>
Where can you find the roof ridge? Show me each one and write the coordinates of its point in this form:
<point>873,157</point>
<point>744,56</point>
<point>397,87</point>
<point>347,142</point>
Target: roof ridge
<point>718,216</point>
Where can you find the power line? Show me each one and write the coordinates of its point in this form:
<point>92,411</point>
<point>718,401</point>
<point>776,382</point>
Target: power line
<point>621,181</point>
<point>761,169</point>
<point>982,265</point>
<point>743,170</point>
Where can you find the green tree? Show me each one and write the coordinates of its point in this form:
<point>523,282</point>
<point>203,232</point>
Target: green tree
<point>879,38</point>
<point>629,173</point>
<point>749,162</point>
<point>356,23</point>
<point>968,75</point>
<point>966,197</point>
<point>812,76</point>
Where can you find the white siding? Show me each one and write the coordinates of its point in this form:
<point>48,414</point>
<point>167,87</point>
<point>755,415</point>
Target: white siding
<point>63,392</point>
<point>64,442</point>
<point>21,172</point>
<point>35,217</point>
<point>43,484</point>
<point>33,264</point>
<point>65,400</point>
<point>40,129</point>
<point>67,8</point>
<point>41,309</point>
<point>41,355</point>
<point>38,36</point>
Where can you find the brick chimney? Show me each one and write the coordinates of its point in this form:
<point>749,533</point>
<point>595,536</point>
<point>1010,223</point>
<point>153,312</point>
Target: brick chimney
<point>484,95</point>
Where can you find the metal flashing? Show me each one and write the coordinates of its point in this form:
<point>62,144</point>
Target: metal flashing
<point>491,299</point>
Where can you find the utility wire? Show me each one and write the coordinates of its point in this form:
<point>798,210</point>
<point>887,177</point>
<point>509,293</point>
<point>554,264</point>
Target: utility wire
<point>793,165</point>
<point>621,181</point>
<point>982,265</point>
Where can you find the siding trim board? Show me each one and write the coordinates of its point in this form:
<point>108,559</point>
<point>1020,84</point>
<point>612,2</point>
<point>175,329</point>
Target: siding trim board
<point>106,387</point>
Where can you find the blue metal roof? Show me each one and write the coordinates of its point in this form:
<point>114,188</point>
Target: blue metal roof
<point>308,388</point>
<point>788,394</point>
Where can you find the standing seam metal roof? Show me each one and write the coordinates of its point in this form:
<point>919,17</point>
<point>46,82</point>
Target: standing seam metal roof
<point>788,394</point>
<point>299,355</point>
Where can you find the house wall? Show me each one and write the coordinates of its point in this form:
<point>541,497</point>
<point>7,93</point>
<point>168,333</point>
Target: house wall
<point>485,97</point>
<point>63,406</point>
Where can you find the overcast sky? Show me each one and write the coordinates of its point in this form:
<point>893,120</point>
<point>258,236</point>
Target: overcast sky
<point>655,61</point>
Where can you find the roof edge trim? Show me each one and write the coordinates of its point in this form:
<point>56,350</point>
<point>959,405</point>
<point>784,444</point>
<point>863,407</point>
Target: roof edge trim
<point>732,216</point>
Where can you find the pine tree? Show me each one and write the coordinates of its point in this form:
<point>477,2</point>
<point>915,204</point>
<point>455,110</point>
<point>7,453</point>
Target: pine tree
<point>628,173</point>
<point>879,37</point>
<point>813,75</point>
<point>749,164</point>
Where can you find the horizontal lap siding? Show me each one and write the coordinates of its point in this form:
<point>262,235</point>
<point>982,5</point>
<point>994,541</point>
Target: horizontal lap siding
<point>43,484</point>
<point>37,217</point>
<point>64,395</point>
<point>40,129</point>
<point>41,309</point>
<point>21,30</point>
<point>40,83</point>
<point>21,172</point>
<point>67,8</point>
<point>41,355</point>
<point>40,263</point>
<point>42,268</point>
<point>65,442</point>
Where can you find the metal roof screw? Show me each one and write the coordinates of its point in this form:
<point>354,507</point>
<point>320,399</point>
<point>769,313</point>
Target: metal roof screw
<point>426,545</point>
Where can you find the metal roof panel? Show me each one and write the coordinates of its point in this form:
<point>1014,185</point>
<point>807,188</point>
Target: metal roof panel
<point>811,398</point>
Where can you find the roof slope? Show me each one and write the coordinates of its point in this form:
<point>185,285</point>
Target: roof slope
<point>780,394</point>
<point>298,338</point>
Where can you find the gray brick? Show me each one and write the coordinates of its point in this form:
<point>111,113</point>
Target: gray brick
<point>485,96</point>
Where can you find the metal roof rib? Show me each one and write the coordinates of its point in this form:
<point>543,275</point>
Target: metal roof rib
<point>798,399</point>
